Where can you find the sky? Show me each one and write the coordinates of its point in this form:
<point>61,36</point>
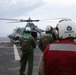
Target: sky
<point>35,9</point>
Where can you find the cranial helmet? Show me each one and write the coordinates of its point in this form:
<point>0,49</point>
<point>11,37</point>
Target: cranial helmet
<point>66,28</point>
<point>55,32</point>
<point>28,29</point>
<point>48,28</point>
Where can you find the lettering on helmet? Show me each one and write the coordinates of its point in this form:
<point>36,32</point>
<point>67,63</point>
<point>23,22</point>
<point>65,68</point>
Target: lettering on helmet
<point>69,30</point>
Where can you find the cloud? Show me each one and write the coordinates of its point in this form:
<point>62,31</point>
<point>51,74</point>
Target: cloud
<point>8,4</point>
<point>60,2</point>
<point>36,9</point>
<point>12,8</point>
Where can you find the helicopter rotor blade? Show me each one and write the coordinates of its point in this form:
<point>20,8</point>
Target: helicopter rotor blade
<point>20,20</point>
<point>30,20</point>
<point>52,19</point>
<point>13,22</point>
<point>9,19</point>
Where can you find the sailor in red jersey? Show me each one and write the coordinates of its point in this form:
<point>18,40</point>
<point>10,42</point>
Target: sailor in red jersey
<point>59,58</point>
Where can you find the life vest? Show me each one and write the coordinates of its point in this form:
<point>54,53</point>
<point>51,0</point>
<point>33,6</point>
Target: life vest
<point>46,39</point>
<point>60,58</point>
<point>25,43</point>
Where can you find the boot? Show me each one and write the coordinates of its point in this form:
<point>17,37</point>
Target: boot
<point>22,73</point>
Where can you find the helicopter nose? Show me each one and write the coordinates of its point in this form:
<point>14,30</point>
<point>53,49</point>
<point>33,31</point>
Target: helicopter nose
<point>13,37</point>
<point>10,36</point>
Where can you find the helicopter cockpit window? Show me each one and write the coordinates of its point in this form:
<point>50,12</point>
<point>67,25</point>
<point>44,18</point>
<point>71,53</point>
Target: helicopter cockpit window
<point>17,30</point>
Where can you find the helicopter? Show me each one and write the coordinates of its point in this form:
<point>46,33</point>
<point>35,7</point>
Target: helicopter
<point>35,31</point>
<point>17,33</point>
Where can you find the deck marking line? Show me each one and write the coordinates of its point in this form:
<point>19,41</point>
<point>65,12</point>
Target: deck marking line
<point>17,57</point>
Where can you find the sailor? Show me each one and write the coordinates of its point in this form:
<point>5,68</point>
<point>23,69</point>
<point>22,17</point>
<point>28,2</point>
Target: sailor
<point>28,44</point>
<point>59,58</point>
<point>46,38</point>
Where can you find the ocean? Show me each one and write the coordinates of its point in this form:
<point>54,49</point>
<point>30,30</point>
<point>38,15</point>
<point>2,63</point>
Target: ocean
<point>4,39</point>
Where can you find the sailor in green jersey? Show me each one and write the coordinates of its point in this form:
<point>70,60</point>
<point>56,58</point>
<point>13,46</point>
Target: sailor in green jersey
<point>27,55</point>
<point>51,38</point>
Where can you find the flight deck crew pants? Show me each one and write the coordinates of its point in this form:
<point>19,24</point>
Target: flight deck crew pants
<point>27,56</point>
